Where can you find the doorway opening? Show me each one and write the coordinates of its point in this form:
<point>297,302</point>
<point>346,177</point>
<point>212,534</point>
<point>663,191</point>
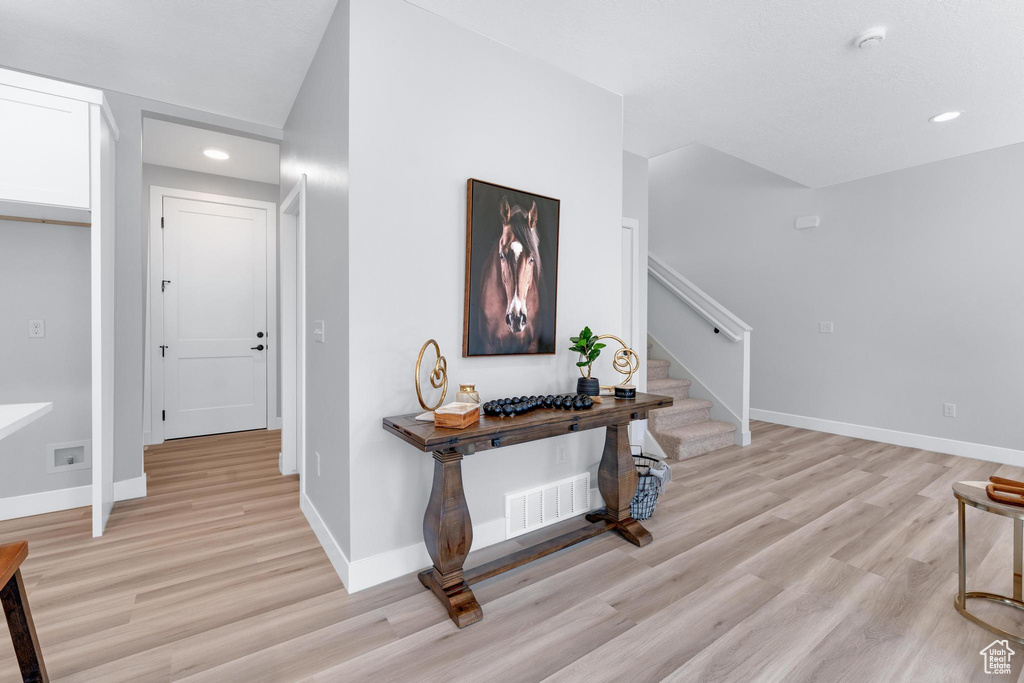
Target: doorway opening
<point>212,337</point>
<point>293,332</point>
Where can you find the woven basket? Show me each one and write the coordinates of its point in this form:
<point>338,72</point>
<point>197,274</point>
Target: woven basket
<point>648,487</point>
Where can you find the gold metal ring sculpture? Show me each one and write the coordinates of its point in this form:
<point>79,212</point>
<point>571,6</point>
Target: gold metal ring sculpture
<point>438,376</point>
<point>625,361</point>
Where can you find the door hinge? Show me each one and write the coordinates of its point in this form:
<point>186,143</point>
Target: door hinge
<point>163,350</point>
<point>161,221</point>
<point>163,416</point>
<point>163,284</point>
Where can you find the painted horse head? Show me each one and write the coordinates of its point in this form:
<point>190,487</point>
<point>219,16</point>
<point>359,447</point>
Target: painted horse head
<point>519,258</point>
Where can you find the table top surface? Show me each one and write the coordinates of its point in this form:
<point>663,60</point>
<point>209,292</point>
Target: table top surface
<point>974,492</point>
<point>14,416</point>
<point>427,437</point>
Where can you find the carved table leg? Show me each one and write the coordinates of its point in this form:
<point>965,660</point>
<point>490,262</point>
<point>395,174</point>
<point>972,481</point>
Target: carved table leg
<point>23,631</point>
<point>448,533</point>
<point>616,479</point>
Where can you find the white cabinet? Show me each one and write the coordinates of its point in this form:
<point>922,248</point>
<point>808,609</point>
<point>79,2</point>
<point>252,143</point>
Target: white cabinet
<point>58,148</point>
<point>45,143</point>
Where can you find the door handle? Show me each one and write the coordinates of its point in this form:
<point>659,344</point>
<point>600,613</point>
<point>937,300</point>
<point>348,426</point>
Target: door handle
<point>257,348</point>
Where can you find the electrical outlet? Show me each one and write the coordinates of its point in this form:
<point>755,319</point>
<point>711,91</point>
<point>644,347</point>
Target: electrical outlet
<point>317,463</point>
<point>318,331</point>
<point>949,409</point>
<point>825,328</point>
<point>561,455</point>
<point>37,328</point>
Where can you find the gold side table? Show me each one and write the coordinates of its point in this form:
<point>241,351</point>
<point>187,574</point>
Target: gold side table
<point>973,493</point>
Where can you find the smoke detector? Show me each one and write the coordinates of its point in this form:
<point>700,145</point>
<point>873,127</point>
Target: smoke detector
<point>873,37</point>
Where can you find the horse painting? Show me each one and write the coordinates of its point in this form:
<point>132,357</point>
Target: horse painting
<point>511,272</point>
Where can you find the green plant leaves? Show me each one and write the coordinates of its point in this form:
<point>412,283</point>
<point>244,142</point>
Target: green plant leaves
<point>586,345</point>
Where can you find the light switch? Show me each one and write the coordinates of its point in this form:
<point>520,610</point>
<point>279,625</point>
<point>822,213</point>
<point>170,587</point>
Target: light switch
<point>825,328</point>
<point>318,331</point>
<point>37,328</point>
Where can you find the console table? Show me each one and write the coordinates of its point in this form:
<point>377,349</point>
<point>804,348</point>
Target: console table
<point>447,528</point>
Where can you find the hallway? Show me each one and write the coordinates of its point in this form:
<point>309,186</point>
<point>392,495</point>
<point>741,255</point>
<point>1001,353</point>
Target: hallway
<point>185,578</point>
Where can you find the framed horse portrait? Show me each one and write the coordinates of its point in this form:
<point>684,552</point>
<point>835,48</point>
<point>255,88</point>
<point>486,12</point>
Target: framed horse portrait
<point>511,271</point>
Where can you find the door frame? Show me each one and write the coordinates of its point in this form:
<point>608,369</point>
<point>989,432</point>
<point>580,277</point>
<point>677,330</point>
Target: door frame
<point>155,376</point>
<point>633,225</point>
<point>638,331</point>
<point>293,333</point>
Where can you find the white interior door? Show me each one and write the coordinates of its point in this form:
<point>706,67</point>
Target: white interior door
<point>215,318</point>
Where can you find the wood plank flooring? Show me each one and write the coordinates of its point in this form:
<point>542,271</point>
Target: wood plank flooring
<point>803,557</point>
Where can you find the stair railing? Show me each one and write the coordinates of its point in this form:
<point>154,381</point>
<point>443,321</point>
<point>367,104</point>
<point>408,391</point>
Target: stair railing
<point>697,299</point>
<point>728,385</point>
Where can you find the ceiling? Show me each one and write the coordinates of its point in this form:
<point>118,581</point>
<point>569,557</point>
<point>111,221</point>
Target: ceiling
<point>240,58</point>
<point>172,144</point>
<point>778,83</point>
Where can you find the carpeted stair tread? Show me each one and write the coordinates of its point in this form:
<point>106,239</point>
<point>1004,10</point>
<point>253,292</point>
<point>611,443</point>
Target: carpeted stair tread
<point>682,412</point>
<point>686,405</point>
<point>662,386</point>
<point>700,430</point>
<point>657,369</point>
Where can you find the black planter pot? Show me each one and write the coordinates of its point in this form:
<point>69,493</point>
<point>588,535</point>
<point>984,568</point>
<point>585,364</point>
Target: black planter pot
<point>589,386</point>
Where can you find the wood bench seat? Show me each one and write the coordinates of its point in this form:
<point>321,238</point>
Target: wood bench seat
<point>19,617</point>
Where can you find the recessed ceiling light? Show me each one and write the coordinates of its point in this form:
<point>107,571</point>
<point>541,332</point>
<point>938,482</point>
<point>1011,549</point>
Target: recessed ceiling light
<point>945,116</point>
<point>218,154</point>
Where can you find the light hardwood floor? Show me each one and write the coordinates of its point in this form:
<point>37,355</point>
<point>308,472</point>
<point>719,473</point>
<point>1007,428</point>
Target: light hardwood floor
<point>805,556</point>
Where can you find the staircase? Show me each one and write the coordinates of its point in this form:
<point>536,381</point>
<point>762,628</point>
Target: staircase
<point>685,429</point>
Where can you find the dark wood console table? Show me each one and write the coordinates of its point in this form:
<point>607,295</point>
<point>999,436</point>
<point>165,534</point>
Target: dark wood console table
<point>447,528</point>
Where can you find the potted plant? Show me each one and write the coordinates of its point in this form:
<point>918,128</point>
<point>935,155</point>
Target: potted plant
<point>589,348</point>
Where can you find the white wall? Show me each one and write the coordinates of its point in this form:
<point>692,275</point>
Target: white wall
<point>918,269</point>
<point>316,143</point>
<point>44,273</point>
<point>433,104</point>
<point>181,179</point>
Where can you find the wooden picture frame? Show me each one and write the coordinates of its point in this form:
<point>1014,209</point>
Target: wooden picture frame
<point>511,296</point>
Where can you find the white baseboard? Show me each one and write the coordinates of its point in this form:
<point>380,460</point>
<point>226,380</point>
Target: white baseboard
<point>66,499</point>
<point>280,465</point>
<point>358,575</point>
<point>334,552</point>
<point>129,488</point>
<point>966,449</point>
